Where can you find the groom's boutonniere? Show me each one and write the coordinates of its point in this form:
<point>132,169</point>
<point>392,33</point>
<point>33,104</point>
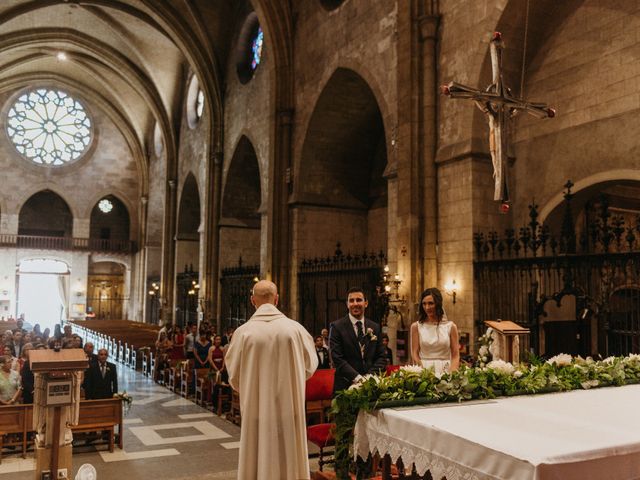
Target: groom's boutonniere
<point>371,335</point>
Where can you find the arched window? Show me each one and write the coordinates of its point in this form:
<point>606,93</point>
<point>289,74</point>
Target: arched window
<point>250,48</point>
<point>256,49</point>
<point>195,102</point>
<point>49,127</point>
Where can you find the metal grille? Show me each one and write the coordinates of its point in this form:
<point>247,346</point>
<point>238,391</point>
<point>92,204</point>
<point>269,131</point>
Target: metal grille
<point>235,287</point>
<point>516,275</point>
<point>323,284</point>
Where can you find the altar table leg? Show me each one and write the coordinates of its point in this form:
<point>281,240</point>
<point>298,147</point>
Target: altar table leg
<point>386,467</point>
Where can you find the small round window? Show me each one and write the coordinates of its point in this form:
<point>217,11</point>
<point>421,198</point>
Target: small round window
<point>49,127</point>
<point>250,48</point>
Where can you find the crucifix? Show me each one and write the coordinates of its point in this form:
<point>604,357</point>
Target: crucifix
<point>499,105</point>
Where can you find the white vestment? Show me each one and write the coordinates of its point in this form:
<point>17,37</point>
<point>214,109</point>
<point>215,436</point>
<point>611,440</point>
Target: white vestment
<point>269,360</point>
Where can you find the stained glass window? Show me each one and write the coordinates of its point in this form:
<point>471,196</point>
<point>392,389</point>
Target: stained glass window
<point>49,127</point>
<point>256,49</point>
<point>105,205</point>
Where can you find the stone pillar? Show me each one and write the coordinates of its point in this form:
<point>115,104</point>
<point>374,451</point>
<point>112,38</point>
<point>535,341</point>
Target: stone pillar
<point>416,232</point>
<point>141,262</point>
<point>428,29</point>
<point>210,240</point>
<point>280,230</point>
<point>168,278</point>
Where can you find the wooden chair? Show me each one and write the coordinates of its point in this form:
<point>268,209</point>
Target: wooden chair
<point>203,387</point>
<point>145,361</point>
<point>319,392</point>
<point>234,414</point>
<point>186,377</point>
<point>321,435</point>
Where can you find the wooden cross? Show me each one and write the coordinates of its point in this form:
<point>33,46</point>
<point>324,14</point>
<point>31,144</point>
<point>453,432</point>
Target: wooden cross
<point>499,105</point>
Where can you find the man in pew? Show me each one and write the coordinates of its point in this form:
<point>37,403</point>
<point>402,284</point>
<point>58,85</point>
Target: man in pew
<point>88,351</point>
<point>101,378</point>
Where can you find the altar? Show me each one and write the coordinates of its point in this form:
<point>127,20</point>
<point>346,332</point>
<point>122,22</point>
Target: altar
<point>565,436</point>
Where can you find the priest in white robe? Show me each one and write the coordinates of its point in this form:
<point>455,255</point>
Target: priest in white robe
<point>269,360</point>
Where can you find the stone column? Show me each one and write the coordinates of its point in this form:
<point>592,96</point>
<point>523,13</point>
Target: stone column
<point>416,232</point>
<point>141,280</point>
<point>210,240</point>
<point>168,279</point>
<point>280,231</point>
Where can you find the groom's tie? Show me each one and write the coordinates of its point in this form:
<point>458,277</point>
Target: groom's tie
<point>360,332</point>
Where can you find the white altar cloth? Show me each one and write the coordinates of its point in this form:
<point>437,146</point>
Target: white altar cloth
<point>583,434</point>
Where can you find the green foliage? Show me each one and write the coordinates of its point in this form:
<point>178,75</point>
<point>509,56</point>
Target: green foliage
<point>417,386</point>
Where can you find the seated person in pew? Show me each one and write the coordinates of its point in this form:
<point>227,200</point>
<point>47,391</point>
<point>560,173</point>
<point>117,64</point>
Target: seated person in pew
<point>10,389</point>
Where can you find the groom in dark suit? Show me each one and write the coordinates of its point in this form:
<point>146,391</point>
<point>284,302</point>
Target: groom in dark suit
<point>355,343</point>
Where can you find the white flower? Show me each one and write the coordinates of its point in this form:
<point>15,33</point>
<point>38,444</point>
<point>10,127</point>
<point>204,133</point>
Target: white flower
<point>412,369</point>
<point>609,360</point>
<point>517,373</point>
<point>560,360</point>
<point>484,350</point>
<point>587,384</point>
<point>501,366</point>
<point>370,334</point>
<point>484,359</point>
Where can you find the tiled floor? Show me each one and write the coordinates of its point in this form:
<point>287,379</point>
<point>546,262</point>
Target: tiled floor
<point>165,437</point>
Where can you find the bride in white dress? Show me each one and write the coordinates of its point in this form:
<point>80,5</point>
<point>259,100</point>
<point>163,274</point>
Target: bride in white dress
<point>434,338</point>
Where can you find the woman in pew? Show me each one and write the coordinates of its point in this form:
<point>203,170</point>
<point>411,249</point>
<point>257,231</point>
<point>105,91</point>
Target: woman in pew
<point>9,382</point>
<point>164,347</point>
<point>7,351</point>
<point>216,362</point>
<point>177,353</point>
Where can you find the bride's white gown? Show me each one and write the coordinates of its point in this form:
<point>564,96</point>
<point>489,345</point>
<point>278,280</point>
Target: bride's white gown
<point>435,346</point>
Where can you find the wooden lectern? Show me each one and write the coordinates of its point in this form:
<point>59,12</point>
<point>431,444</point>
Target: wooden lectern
<point>507,339</point>
<point>56,405</point>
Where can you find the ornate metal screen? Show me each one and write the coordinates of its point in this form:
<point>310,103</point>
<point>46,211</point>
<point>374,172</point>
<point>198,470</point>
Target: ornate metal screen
<point>323,285</point>
<point>236,284</point>
<point>521,277</point>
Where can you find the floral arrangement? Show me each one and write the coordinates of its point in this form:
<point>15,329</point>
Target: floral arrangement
<point>484,350</point>
<point>126,399</point>
<point>414,385</point>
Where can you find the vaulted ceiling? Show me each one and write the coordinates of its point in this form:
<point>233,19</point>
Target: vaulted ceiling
<point>132,58</point>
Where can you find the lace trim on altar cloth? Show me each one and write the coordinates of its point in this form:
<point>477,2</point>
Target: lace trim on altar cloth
<point>368,441</point>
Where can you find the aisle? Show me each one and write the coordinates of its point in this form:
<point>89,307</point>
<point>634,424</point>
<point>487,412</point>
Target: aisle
<point>166,438</point>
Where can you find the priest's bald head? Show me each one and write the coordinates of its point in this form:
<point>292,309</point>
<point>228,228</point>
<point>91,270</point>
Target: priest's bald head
<point>264,292</point>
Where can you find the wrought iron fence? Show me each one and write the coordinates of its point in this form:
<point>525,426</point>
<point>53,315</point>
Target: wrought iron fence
<point>323,283</point>
<point>521,277</point>
<point>235,291</point>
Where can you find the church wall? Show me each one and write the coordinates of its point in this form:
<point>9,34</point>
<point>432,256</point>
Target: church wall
<point>589,71</point>
<point>109,167</point>
<point>239,241</point>
<point>187,253</point>
<point>248,111</point>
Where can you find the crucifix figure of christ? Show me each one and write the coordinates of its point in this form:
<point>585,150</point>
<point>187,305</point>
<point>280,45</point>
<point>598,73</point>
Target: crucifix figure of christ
<point>498,104</point>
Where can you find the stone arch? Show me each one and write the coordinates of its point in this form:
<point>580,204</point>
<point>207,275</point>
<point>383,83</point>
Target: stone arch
<point>46,214</point>
<point>587,185</point>
<point>340,174</point>
<point>113,225</point>
<point>241,208</point>
<point>131,210</point>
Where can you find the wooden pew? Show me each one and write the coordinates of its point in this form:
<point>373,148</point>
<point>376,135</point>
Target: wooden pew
<point>95,416</point>
<point>15,420</point>
<point>101,415</point>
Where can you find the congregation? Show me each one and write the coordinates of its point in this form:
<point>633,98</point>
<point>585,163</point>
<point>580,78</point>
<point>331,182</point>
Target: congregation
<point>16,378</point>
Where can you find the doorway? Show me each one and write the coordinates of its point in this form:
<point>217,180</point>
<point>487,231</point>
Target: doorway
<point>43,292</point>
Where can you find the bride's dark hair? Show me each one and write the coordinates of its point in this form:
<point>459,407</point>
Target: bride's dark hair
<point>437,298</point>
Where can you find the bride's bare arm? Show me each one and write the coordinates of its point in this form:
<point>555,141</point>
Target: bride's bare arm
<point>415,344</point>
<point>455,348</point>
